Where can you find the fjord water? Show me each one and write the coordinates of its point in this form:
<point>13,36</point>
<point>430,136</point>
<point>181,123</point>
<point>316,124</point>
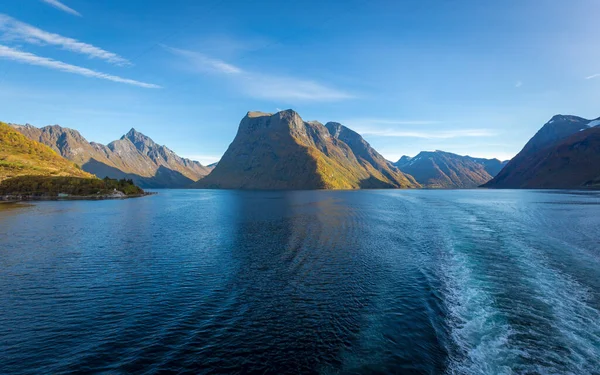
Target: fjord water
<point>381,281</point>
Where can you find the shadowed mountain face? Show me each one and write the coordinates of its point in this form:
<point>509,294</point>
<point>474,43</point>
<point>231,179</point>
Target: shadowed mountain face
<point>281,151</point>
<point>441,169</point>
<point>134,156</point>
<point>491,166</point>
<point>564,153</point>
<point>21,156</point>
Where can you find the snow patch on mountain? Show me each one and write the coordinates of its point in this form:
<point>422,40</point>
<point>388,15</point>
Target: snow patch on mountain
<point>594,123</point>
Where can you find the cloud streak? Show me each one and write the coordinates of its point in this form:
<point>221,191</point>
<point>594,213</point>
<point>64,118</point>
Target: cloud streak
<point>20,31</point>
<point>593,76</point>
<point>31,59</point>
<point>367,122</point>
<point>436,134</point>
<point>205,63</point>
<point>261,85</point>
<point>58,5</point>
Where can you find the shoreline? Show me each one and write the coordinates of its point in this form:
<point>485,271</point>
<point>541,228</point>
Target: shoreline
<point>30,198</point>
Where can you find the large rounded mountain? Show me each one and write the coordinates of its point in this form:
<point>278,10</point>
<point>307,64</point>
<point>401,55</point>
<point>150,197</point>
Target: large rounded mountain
<point>282,151</point>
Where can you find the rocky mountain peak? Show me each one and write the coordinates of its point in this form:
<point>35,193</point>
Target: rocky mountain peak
<point>141,141</point>
<point>282,151</point>
<point>559,127</point>
<point>548,159</point>
<point>565,118</point>
<point>442,169</point>
<point>255,122</point>
<point>134,155</point>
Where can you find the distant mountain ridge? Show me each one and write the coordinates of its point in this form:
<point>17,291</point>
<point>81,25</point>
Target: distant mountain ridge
<point>133,156</point>
<point>440,169</point>
<point>563,154</point>
<point>282,151</point>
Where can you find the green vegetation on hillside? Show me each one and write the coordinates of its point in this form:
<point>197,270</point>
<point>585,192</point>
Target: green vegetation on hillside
<point>20,156</point>
<point>47,186</point>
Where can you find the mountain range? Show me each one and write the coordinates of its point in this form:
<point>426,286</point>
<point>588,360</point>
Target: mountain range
<point>439,169</point>
<point>563,154</point>
<point>20,156</point>
<point>134,156</point>
<point>282,151</point>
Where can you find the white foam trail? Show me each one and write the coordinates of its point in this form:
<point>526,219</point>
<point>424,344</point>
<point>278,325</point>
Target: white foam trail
<point>499,336</point>
<point>479,331</point>
<point>572,316</point>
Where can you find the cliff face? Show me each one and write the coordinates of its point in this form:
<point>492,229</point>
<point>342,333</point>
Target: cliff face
<point>441,169</point>
<point>281,151</point>
<point>134,156</point>
<point>562,154</point>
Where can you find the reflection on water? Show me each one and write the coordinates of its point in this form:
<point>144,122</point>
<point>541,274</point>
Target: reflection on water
<point>464,282</point>
<point>7,207</point>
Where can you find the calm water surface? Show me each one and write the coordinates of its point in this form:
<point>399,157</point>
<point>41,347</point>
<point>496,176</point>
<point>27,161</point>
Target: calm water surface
<point>351,282</point>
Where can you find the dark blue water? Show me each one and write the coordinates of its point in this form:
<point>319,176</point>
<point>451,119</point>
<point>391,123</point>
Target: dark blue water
<point>352,282</point>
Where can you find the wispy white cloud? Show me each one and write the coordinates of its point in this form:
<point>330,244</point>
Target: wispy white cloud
<point>16,30</point>
<point>433,134</point>
<point>593,76</point>
<point>371,122</point>
<point>518,84</point>
<point>204,63</point>
<point>31,59</point>
<point>262,85</point>
<point>58,5</point>
<point>274,87</point>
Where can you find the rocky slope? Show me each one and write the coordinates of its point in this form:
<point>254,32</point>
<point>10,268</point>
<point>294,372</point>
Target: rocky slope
<point>281,151</point>
<point>564,153</point>
<point>134,156</point>
<point>21,156</point>
<point>439,169</point>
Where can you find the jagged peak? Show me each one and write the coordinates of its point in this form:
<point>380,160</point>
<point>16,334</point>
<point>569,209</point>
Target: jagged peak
<point>132,133</point>
<point>54,127</point>
<point>289,114</point>
<point>288,111</point>
<point>135,137</point>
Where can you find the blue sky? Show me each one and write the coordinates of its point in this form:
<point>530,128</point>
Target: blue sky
<point>471,77</point>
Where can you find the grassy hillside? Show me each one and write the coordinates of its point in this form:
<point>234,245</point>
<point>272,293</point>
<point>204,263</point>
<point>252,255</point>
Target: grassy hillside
<point>20,156</point>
